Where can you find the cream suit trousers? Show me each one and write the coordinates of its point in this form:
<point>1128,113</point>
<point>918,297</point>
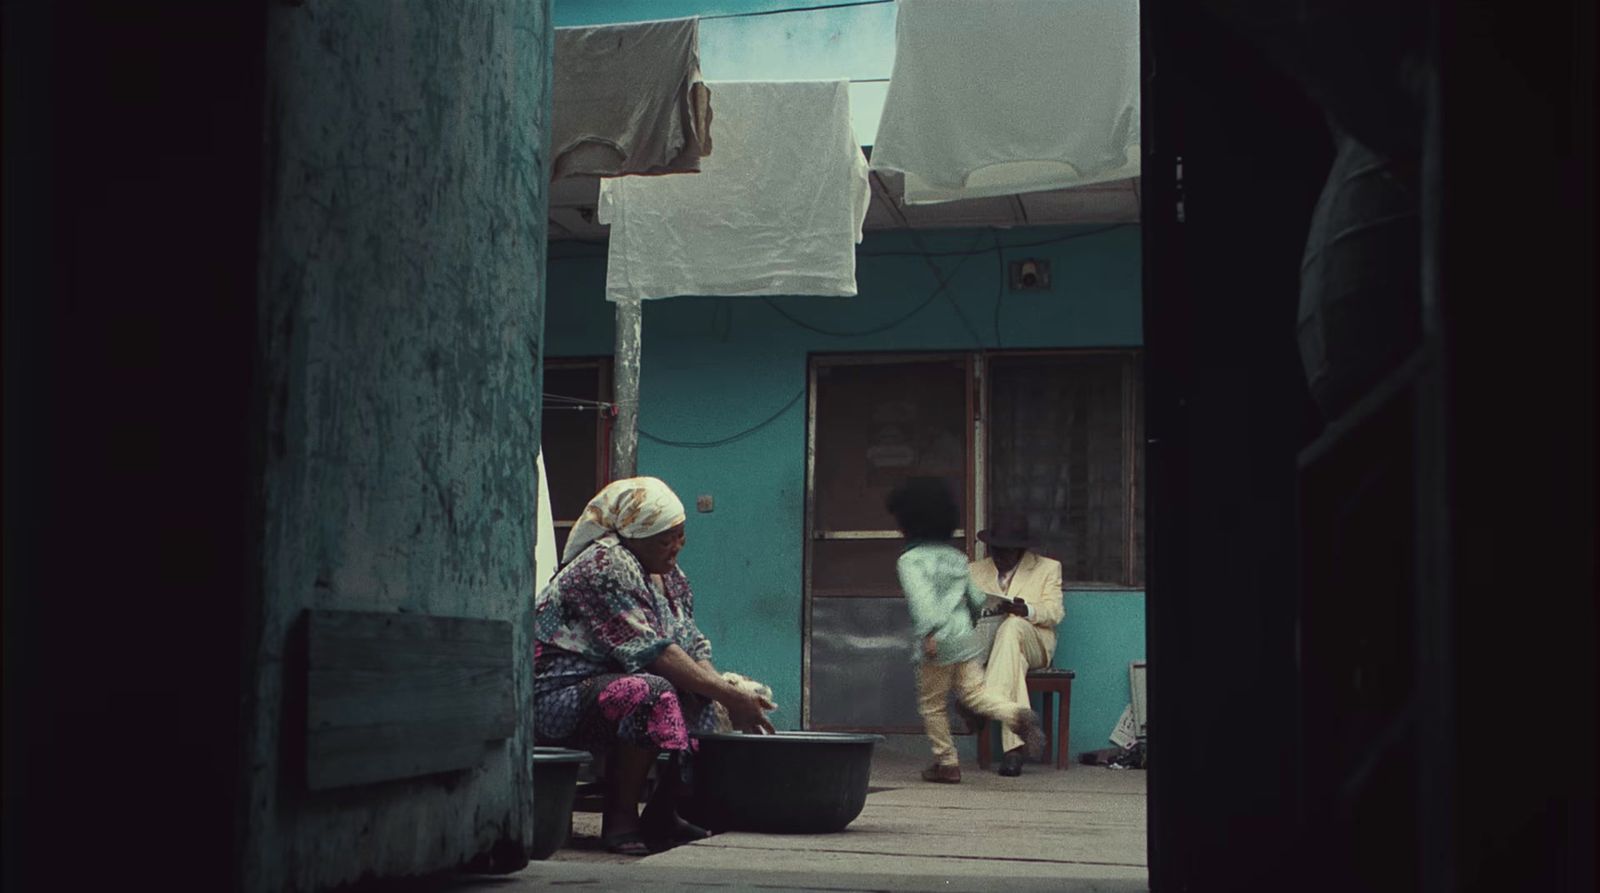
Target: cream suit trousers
<point>1018,648</point>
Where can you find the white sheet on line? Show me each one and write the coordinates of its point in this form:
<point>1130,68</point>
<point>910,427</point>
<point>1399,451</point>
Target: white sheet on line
<point>545,557</point>
<point>998,97</point>
<point>777,209</point>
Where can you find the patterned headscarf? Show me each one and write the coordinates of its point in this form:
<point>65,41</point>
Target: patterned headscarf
<point>632,507</point>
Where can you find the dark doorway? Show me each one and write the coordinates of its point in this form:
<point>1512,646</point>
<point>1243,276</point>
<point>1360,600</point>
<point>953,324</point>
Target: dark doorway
<point>574,435</point>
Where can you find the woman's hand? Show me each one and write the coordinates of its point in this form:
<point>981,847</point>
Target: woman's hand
<point>930,648</point>
<point>700,677</point>
<point>745,712</point>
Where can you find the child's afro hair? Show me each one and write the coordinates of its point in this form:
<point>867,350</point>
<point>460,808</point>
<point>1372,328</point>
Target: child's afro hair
<point>924,509</point>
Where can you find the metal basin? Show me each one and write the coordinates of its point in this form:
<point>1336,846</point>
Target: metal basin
<point>788,783</point>
<point>555,780</point>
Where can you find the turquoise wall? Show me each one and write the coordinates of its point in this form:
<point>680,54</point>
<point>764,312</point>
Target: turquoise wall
<point>713,367</point>
<point>1103,633</point>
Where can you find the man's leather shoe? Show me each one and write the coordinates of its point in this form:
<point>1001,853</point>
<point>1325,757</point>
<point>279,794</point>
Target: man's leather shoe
<point>1011,763</point>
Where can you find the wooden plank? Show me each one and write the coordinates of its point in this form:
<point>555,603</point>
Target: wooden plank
<point>391,696</point>
<point>333,625</point>
<point>345,654</point>
<point>356,755</point>
<point>472,696</point>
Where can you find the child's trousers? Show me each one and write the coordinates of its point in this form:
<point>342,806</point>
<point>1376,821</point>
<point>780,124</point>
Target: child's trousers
<point>934,682</point>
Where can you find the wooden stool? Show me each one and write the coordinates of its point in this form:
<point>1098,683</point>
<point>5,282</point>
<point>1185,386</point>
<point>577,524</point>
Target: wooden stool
<point>1050,682</point>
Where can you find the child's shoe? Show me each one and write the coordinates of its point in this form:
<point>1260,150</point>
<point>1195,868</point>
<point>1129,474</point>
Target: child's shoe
<point>942,774</point>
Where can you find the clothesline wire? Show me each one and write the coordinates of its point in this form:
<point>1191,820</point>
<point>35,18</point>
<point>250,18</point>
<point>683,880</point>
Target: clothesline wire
<point>707,444</point>
<point>565,402</point>
<point>773,12</point>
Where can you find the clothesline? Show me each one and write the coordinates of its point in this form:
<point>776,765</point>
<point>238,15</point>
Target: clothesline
<point>773,12</point>
<point>558,401</point>
<point>931,149</point>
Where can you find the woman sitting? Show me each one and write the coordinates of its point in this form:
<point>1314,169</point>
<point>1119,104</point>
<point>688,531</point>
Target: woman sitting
<point>620,669</point>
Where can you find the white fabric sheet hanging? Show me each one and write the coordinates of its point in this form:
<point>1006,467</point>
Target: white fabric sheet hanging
<point>998,97</point>
<point>545,556</point>
<point>777,210</point>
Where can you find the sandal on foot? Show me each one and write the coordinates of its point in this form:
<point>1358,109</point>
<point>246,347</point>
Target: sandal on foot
<point>628,843</point>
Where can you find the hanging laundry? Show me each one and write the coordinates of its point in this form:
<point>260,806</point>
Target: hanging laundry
<point>628,99</point>
<point>776,211</point>
<point>545,556</point>
<point>997,97</point>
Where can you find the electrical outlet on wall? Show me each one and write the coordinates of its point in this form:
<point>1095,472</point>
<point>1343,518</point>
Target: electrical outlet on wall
<point>1030,274</point>
<point>704,502</point>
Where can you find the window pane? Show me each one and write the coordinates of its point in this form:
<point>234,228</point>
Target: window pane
<point>1059,454</point>
<point>878,424</point>
<point>853,568</point>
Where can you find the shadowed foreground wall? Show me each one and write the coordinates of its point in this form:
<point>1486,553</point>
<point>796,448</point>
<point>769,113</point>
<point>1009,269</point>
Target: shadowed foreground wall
<point>401,277</point>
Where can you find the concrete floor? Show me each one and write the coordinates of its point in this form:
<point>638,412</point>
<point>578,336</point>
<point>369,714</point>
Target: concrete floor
<point>1081,829</point>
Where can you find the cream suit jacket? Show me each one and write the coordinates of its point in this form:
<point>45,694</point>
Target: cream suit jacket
<point>1036,581</point>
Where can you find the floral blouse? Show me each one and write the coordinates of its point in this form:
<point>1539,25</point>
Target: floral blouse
<point>602,606</point>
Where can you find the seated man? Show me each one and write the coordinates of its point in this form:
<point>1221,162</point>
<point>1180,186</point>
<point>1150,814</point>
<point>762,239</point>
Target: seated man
<point>1030,588</point>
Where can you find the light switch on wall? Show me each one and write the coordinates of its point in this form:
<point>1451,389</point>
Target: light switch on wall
<point>704,502</point>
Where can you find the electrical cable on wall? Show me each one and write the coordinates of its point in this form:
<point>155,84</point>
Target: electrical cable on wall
<point>998,248</point>
<point>707,444</point>
<point>943,281</point>
<point>1038,243</point>
<point>916,238</point>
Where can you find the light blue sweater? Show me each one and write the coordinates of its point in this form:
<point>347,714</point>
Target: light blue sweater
<point>942,598</point>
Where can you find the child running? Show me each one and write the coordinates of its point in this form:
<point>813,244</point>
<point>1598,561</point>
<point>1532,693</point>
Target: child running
<point>943,602</point>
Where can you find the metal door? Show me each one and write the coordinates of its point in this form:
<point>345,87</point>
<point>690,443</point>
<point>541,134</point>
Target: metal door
<point>873,422</point>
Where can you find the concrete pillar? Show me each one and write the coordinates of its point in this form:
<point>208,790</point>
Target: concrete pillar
<point>401,277</point>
